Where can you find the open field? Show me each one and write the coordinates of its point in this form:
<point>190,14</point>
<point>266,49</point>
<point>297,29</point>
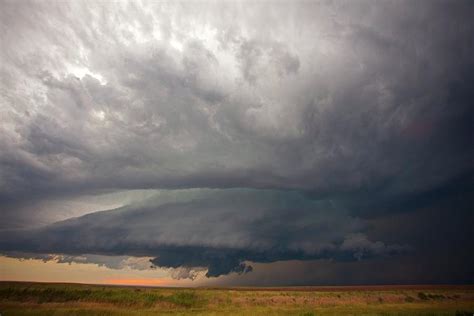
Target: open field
<point>75,299</point>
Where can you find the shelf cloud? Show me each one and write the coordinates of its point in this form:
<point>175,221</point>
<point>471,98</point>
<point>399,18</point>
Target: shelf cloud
<point>260,132</point>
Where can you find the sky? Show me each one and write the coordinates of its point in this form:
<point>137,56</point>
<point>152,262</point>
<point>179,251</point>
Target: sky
<point>237,143</point>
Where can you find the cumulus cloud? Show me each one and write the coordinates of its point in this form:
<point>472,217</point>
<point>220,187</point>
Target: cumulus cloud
<point>111,262</point>
<point>186,273</point>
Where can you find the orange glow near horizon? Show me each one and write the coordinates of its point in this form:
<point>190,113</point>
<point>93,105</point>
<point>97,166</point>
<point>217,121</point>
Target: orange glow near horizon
<point>35,270</point>
<point>144,282</point>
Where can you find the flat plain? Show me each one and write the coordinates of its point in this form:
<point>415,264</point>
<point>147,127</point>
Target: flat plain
<point>18,298</point>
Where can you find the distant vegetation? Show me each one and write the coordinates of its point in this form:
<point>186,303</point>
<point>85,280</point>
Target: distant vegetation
<point>106,295</point>
<point>71,299</point>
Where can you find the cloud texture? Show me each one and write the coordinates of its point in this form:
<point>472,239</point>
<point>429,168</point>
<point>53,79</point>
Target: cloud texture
<point>219,230</point>
<point>313,121</point>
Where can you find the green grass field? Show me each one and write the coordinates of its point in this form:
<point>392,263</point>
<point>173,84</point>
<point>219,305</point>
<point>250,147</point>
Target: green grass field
<point>75,299</point>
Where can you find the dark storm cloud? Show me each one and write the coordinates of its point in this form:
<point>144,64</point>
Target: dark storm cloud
<point>343,101</point>
<point>215,229</point>
<point>365,106</point>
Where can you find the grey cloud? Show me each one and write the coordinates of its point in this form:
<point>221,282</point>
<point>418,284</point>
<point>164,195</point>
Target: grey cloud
<point>360,245</point>
<point>257,57</point>
<point>438,234</point>
<point>219,230</point>
<point>112,262</point>
<point>185,273</point>
<point>369,101</point>
<point>364,106</point>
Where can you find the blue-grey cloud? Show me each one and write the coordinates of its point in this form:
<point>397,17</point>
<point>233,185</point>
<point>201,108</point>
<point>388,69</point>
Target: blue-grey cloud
<point>338,105</point>
<point>363,109</point>
<point>219,230</point>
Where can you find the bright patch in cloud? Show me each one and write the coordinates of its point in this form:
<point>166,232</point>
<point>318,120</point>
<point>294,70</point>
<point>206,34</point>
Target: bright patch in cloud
<point>81,72</point>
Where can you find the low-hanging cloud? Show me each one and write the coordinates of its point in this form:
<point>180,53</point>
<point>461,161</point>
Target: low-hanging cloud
<point>335,116</point>
<point>219,230</point>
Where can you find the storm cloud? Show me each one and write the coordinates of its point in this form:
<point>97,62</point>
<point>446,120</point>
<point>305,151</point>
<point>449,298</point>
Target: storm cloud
<point>261,132</point>
<point>219,230</point>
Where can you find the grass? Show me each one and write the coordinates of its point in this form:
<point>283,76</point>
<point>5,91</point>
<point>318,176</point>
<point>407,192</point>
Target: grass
<point>74,299</point>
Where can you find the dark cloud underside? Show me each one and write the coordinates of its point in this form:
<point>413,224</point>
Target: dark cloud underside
<point>263,132</point>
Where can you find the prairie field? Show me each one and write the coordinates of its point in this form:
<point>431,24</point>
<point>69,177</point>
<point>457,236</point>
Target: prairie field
<point>77,299</point>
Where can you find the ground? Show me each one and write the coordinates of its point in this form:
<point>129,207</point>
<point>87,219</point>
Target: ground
<point>75,299</point>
